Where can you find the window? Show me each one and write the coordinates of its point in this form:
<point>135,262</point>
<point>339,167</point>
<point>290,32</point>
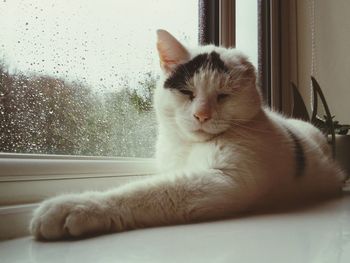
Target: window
<point>76,80</point>
<point>247,28</point>
<point>76,83</point>
<point>76,77</point>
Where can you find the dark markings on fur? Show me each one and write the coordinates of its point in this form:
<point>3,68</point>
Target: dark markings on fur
<point>299,154</point>
<point>216,63</point>
<point>185,71</point>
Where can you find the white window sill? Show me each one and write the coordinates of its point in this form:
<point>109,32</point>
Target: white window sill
<point>31,178</point>
<point>317,234</point>
<point>24,167</point>
<point>14,220</point>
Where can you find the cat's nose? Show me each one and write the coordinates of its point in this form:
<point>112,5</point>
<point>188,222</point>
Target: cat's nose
<point>202,116</point>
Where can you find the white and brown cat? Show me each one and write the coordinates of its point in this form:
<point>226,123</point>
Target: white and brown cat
<point>219,153</point>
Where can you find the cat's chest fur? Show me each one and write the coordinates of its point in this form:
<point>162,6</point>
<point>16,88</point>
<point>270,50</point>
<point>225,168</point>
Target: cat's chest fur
<point>173,155</point>
<point>253,150</point>
<point>223,153</point>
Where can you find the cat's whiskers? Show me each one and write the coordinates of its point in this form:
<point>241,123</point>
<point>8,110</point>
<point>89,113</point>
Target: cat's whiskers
<point>247,120</point>
<point>242,125</point>
<point>215,121</point>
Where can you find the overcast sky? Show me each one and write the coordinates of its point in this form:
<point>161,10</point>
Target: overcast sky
<point>99,42</point>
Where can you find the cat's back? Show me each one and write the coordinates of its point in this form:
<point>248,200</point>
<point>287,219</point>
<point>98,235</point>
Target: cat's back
<point>301,132</point>
<point>314,172</point>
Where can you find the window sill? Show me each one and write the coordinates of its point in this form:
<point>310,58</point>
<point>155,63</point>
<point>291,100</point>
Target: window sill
<point>14,220</point>
<point>24,167</point>
<point>31,178</point>
<point>316,234</point>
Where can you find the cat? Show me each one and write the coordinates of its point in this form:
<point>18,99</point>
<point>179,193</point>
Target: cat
<point>220,152</point>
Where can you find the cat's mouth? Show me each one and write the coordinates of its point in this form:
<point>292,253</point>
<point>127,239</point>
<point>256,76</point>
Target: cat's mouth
<point>207,132</point>
<point>203,135</point>
<point>200,135</point>
<point>201,131</point>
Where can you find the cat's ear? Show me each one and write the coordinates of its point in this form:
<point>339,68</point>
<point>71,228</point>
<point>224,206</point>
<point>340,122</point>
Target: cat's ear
<point>171,51</point>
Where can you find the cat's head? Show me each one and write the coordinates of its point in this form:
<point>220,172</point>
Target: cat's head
<point>203,92</point>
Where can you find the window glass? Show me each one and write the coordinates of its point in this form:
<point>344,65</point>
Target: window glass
<point>247,28</point>
<point>76,77</point>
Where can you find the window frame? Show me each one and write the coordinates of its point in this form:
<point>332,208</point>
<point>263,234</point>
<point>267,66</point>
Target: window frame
<point>22,174</point>
<point>217,22</point>
<point>278,52</point>
<point>26,179</point>
<point>24,167</point>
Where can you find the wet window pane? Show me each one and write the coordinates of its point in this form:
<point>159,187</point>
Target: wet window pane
<point>76,77</point>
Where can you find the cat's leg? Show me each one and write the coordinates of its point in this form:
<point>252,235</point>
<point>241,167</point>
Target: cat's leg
<point>162,200</point>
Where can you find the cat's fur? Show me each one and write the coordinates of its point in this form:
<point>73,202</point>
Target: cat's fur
<point>219,153</point>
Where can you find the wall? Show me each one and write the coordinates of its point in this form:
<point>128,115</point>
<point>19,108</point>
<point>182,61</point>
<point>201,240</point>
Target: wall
<point>331,52</point>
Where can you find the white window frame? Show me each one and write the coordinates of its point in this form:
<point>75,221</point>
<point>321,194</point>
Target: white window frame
<point>26,179</point>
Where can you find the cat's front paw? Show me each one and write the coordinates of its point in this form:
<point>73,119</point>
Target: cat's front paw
<point>69,216</point>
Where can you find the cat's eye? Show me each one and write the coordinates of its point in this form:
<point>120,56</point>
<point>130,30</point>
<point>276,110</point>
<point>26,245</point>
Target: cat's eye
<point>222,96</point>
<point>187,93</point>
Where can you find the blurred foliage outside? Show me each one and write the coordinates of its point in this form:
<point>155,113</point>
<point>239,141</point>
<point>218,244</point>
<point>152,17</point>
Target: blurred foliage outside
<point>47,115</point>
